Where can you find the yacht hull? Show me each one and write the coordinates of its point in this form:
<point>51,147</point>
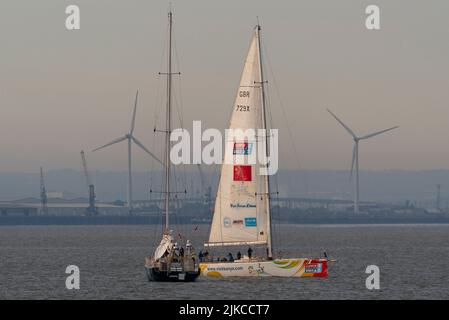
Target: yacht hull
<point>155,274</point>
<point>296,267</point>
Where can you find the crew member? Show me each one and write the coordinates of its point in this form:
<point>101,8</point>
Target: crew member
<point>250,252</point>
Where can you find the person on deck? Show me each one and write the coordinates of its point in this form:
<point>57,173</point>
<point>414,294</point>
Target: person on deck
<point>175,252</point>
<point>239,255</point>
<point>250,253</point>
<point>190,252</point>
<point>230,257</point>
<point>200,256</point>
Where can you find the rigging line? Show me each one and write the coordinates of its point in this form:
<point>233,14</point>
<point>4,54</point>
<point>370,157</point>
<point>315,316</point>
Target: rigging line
<point>178,106</point>
<point>182,199</point>
<point>276,230</point>
<point>149,185</point>
<point>160,182</point>
<point>160,217</point>
<point>211,207</point>
<point>281,105</point>
<point>276,212</point>
<point>178,65</point>
<point>157,102</point>
<point>160,222</point>
<point>185,197</point>
<point>273,180</point>
<point>175,199</point>
<point>151,177</point>
<point>155,120</point>
<point>179,114</point>
<point>286,119</point>
<point>164,46</point>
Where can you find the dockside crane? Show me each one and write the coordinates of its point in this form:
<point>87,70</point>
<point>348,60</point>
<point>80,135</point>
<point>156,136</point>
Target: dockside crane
<point>43,195</point>
<point>91,209</point>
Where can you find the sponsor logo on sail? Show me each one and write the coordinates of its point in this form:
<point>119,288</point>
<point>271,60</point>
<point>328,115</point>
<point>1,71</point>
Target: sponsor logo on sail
<point>250,222</point>
<point>242,189</point>
<point>242,205</point>
<point>242,148</point>
<point>242,173</point>
<point>226,222</point>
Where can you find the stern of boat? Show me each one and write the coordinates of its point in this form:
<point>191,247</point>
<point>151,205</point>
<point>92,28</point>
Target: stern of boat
<point>172,272</point>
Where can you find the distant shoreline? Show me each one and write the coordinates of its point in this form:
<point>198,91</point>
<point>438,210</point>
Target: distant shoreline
<point>145,220</point>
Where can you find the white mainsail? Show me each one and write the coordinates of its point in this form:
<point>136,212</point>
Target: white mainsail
<point>241,215</point>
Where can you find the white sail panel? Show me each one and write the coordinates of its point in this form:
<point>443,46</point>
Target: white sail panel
<point>241,206</point>
<point>166,245</point>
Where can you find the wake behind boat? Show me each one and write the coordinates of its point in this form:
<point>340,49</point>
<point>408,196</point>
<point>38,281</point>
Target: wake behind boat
<point>242,207</point>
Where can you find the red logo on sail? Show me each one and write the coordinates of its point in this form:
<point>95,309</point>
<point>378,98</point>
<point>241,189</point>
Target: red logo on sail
<point>242,173</point>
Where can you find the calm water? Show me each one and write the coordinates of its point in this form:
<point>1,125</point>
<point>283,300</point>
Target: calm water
<point>413,259</point>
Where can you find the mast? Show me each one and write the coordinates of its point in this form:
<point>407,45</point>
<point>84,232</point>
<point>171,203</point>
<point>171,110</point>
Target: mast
<point>264,115</point>
<point>168,123</point>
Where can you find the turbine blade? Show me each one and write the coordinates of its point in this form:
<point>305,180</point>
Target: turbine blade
<point>133,120</point>
<point>111,143</point>
<point>146,150</point>
<point>344,126</point>
<point>354,152</point>
<point>377,133</point>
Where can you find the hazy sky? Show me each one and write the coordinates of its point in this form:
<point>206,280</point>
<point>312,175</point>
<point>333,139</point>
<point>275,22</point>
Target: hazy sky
<point>62,91</point>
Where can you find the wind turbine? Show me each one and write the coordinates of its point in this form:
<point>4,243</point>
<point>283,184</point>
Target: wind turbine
<point>131,138</point>
<point>355,155</point>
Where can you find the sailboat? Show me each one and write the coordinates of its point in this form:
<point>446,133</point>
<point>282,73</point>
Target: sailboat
<point>242,207</point>
<point>170,262</point>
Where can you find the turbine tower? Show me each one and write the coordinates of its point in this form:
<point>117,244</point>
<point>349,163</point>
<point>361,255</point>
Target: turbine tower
<point>43,194</point>
<point>131,138</point>
<point>355,155</point>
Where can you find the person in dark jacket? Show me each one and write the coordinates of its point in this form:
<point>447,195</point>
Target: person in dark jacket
<point>250,253</point>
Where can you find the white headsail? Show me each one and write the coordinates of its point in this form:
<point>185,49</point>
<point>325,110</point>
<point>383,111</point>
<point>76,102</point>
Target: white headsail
<point>241,214</point>
<point>165,246</point>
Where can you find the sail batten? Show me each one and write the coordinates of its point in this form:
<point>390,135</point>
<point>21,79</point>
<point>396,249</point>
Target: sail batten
<point>241,214</point>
